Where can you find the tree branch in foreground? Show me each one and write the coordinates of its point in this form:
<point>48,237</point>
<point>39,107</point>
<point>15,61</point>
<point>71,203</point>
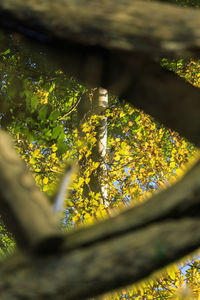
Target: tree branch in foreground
<point>163,95</point>
<point>102,267</point>
<point>24,209</point>
<point>105,256</point>
<point>126,25</point>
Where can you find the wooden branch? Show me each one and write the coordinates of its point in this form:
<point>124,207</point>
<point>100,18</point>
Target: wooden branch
<point>24,209</point>
<point>126,25</point>
<point>102,267</point>
<point>162,94</point>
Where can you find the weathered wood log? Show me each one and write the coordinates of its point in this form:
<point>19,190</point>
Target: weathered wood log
<point>23,207</point>
<point>126,25</point>
<point>90,271</point>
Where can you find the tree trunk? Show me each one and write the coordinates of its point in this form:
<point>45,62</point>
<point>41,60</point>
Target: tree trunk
<point>95,103</point>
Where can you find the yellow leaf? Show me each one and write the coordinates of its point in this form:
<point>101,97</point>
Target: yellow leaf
<point>45,188</point>
<point>139,135</point>
<point>130,123</point>
<point>53,155</point>
<point>122,114</point>
<point>54,148</point>
<point>81,180</point>
<point>76,219</point>
<point>172,165</point>
<point>96,164</point>
<point>87,180</point>
<point>179,172</point>
<point>45,180</point>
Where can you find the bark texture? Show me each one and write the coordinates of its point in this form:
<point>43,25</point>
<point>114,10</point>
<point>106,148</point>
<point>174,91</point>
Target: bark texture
<point>92,270</point>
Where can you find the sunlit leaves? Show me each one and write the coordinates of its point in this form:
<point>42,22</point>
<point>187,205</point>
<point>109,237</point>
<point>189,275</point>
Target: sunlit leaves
<point>5,52</point>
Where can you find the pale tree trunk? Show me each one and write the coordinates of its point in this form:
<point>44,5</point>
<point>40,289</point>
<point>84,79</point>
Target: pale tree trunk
<point>95,103</point>
<point>100,102</point>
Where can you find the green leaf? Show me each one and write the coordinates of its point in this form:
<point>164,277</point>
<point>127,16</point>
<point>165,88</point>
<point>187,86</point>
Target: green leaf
<point>27,93</point>
<point>52,87</point>
<point>43,112</point>
<point>48,133</point>
<point>62,147</point>
<point>56,132</point>
<point>5,52</point>
<point>137,118</point>
<point>34,102</point>
<point>54,115</point>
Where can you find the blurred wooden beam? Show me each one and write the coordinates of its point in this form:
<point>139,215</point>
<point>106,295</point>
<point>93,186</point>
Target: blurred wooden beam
<point>151,28</point>
<point>23,207</point>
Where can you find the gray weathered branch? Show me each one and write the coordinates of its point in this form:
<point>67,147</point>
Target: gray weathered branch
<point>153,28</point>
<point>24,209</point>
<point>101,267</point>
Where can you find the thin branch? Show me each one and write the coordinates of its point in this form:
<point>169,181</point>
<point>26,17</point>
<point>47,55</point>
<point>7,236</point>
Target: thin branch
<point>71,110</point>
